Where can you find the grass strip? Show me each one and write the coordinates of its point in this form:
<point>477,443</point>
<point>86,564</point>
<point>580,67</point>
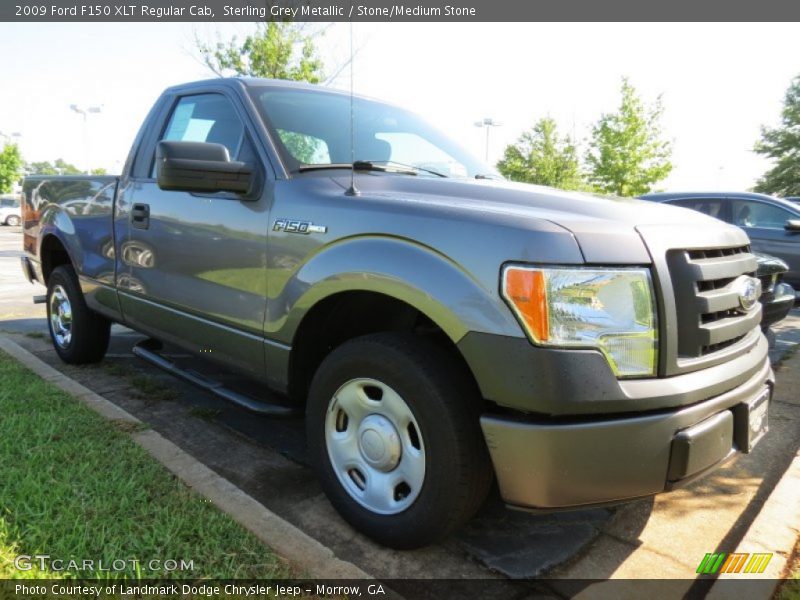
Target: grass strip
<point>76,487</point>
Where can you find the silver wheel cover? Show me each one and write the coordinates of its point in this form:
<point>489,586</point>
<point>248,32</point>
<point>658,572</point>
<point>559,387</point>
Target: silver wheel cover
<point>60,317</point>
<point>375,446</point>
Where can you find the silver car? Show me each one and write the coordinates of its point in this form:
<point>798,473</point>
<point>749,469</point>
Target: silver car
<point>10,212</point>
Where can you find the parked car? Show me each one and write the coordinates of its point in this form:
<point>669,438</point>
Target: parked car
<point>772,224</point>
<point>438,328</point>
<point>10,211</point>
<point>777,297</point>
<point>793,199</point>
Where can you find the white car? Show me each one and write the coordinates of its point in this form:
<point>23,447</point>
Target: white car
<point>10,212</point>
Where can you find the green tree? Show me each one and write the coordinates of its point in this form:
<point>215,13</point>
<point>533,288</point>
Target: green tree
<point>10,167</point>
<point>543,157</point>
<point>626,154</point>
<point>276,49</point>
<point>782,145</point>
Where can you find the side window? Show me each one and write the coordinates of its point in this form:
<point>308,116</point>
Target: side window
<point>708,206</point>
<point>206,118</point>
<point>759,214</point>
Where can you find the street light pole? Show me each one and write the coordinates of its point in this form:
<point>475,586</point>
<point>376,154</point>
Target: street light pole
<point>487,123</point>
<point>85,112</point>
<point>9,136</point>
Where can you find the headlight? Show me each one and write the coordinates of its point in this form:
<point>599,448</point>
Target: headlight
<point>608,309</point>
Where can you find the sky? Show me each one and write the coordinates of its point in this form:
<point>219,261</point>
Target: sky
<point>718,82</point>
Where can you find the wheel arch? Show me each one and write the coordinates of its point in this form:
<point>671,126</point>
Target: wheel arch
<point>369,284</point>
<point>346,315</point>
<point>53,253</point>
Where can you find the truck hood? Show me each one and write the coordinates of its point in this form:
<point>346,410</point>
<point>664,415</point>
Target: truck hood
<point>606,228</point>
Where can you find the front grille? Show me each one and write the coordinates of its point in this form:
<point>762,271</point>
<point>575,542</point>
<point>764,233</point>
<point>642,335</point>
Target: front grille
<point>708,314</point>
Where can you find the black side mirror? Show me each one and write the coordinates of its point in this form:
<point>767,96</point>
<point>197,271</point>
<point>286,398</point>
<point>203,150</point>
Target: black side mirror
<point>200,167</point>
<point>792,225</point>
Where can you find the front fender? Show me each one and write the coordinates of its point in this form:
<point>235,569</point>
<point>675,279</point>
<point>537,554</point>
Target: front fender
<point>415,274</point>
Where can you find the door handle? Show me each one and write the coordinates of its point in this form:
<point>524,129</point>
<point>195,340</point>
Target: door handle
<point>140,216</point>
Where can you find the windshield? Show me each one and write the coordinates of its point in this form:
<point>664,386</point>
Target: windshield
<point>312,128</point>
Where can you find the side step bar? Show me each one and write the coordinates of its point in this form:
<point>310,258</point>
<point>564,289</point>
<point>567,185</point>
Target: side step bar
<point>148,350</point>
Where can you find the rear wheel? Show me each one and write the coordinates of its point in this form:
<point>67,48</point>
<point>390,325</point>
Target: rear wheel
<point>393,430</point>
<point>13,221</point>
<point>79,334</point>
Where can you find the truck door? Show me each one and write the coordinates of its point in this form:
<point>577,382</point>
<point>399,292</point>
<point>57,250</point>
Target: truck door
<point>191,266</point>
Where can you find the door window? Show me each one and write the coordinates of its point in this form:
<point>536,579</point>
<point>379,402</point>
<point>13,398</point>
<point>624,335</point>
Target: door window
<point>709,206</point>
<point>759,214</point>
<point>206,118</point>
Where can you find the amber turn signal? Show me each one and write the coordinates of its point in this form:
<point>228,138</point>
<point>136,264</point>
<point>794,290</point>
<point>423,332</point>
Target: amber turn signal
<point>527,291</point>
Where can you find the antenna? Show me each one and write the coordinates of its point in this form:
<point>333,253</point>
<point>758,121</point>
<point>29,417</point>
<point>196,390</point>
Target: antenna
<point>352,190</point>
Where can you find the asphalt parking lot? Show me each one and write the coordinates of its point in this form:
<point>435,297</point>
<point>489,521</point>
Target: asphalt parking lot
<point>266,458</point>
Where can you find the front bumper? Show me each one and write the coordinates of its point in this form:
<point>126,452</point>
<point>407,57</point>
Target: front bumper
<point>558,463</point>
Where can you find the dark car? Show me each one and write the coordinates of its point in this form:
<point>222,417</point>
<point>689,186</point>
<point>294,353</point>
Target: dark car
<point>777,297</point>
<point>772,224</point>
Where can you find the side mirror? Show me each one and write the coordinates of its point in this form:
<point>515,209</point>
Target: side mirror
<point>200,167</point>
<point>792,225</point>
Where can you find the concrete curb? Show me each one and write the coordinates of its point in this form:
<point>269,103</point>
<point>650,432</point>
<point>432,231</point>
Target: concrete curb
<point>285,539</point>
<point>775,529</point>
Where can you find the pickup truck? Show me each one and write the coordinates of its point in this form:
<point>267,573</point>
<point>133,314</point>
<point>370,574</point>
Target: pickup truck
<point>442,330</point>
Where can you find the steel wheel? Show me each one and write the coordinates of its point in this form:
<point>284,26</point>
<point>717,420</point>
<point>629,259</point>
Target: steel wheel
<point>60,317</point>
<point>375,446</point>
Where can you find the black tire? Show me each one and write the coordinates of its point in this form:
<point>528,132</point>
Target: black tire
<point>13,221</point>
<point>446,405</point>
<point>89,332</point>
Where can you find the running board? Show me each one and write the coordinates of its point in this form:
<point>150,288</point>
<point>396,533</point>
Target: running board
<point>148,350</point>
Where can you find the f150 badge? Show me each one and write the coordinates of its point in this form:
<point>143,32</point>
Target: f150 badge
<point>296,226</point>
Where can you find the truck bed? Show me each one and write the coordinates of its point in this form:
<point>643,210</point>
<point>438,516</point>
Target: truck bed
<point>80,206</point>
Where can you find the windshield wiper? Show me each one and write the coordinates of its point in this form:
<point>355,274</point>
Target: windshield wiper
<point>322,167</point>
<point>385,166</point>
<point>369,165</point>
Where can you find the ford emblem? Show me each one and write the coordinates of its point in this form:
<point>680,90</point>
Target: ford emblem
<point>749,290</point>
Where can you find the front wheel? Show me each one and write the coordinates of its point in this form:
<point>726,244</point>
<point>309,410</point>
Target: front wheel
<point>79,334</point>
<point>393,430</point>
<point>13,221</point>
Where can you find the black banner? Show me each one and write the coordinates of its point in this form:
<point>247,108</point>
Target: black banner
<point>397,10</point>
<point>387,589</point>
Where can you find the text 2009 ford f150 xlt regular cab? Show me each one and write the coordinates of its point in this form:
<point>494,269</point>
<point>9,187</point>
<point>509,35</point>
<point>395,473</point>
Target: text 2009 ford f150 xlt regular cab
<point>439,327</point>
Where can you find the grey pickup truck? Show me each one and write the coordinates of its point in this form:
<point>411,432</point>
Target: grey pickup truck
<point>440,328</point>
